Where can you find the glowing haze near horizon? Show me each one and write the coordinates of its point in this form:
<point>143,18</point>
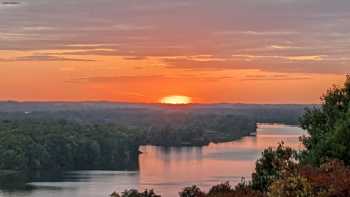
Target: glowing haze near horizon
<point>248,51</point>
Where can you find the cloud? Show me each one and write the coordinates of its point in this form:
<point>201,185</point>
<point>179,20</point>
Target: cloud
<point>135,57</point>
<point>38,28</point>
<point>45,58</point>
<point>278,77</point>
<point>292,58</point>
<point>161,5</point>
<point>284,47</point>
<point>111,79</point>
<point>256,33</point>
<point>17,37</point>
<point>10,3</point>
<point>128,27</point>
<point>143,78</point>
<point>87,52</point>
<point>182,63</point>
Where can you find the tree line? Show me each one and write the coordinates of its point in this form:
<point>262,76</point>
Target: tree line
<point>30,145</point>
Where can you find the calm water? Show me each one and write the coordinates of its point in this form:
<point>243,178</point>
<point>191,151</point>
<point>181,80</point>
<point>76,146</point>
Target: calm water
<point>169,170</point>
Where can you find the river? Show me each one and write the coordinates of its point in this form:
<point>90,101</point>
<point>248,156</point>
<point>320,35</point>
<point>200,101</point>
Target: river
<point>168,170</point>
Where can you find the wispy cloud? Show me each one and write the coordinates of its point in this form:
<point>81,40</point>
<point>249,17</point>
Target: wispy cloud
<point>10,3</point>
<point>45,58</point>
<point>256,33</point>
<point>277,77</point>
<point>148,78</point>
<point>292,58</point>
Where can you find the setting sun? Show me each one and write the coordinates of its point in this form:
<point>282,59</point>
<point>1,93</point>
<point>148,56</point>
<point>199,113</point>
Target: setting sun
<point>176,100</point>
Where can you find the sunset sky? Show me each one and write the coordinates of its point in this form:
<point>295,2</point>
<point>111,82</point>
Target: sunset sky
<point>215,51</point>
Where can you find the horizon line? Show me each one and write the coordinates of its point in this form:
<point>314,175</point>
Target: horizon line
<point>148,103</point>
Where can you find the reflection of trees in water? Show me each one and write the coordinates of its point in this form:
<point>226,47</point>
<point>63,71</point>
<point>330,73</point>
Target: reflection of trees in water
<point>269,135</point>
<point>169,154</point>
<point>12,181</point>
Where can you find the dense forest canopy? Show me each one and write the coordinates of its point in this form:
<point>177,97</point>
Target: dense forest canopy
<point>61,145</point>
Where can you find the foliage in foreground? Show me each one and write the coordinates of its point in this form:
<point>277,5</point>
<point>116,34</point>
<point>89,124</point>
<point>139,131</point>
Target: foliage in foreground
<point>221,190</point>
<point>273,165</point>
<point>329,128</point>
<point>332,179</point>
<point>135,193</point>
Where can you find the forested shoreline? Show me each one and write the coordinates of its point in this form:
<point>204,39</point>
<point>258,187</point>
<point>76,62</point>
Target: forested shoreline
<point>30,145</point>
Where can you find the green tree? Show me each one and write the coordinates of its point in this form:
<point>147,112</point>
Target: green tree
<point>273,165</point>
<point>135,193</point>
<point>328,128</point>
<point>222,189</point>
<point>52,145</point>
<point>193,191</point>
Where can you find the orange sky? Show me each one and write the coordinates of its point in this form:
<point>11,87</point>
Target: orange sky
<point>214,52</point>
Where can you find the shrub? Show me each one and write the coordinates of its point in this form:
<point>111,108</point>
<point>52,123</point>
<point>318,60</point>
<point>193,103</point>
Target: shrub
<point>193,191</point>
<point>294,186</point>
<point>222,188</point>
<point>243,189</point>
<point>331,179</point>
<point>135,193</point>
